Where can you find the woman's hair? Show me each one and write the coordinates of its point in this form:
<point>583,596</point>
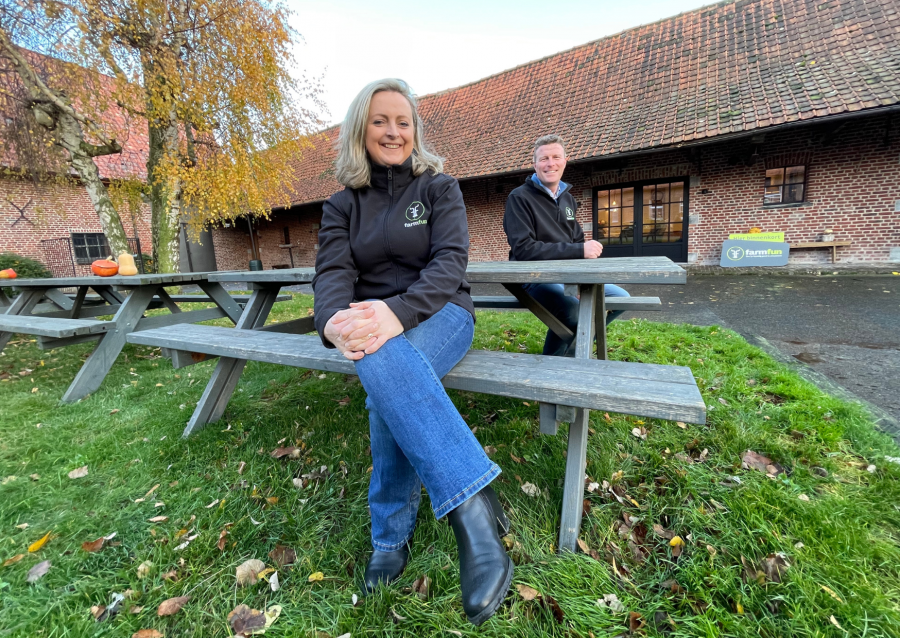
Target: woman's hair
<point>352,164</point>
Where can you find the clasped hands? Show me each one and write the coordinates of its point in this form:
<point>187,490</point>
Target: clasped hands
<point>362,329</point>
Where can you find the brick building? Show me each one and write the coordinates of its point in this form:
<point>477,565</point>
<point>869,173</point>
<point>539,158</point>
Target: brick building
<point>782,115</point>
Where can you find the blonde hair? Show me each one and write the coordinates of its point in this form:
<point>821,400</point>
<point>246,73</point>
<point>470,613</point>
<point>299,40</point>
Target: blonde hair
<point>544,141</point>
<point>352,167</point>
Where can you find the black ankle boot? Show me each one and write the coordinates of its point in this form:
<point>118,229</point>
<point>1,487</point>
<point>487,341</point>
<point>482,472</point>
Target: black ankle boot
<point>384,568</point>
<point>503,524</point>
<point>485,571</point>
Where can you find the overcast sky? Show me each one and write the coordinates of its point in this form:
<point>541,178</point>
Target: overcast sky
<point>440,45</point>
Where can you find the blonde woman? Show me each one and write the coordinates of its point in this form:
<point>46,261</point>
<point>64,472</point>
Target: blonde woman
<point>390,295</point>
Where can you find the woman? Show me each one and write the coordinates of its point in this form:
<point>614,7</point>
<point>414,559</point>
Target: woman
<point>390,295</point>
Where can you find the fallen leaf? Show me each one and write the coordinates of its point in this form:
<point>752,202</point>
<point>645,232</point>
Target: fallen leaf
<point>35,546</point>
<point>681,424</point>
<point>640,433</point>
<point>94,546</point>
<point>38,571</point>
<point>80,472</point>
<point>531,489</point>
<point>316,577</point>
<point>397,618</point>
<point>723,401</point>
<point>241,467</point>
<point>172,605</point>
<point>804,497</point>
<point>659,530</point>
<point>283,556</point>
<point>221,542</point>
<point>290,451</point>
<point>555,609</point>
<point>158,519</point>
<point>171,575</point>
<point>12,561</point>
<point>527,593</point>
<point>834,622</point>
<point>34,477</point>
<point>135,609</point>
<point>152,489</point>
<point>832,593</point>
<point>245,621</point>
<point>421,587</point>
<point>677,545</point>
<point>147,633</point>
<point>247,572</point>
<point>114,411</point>
<point>213,504</point>
<point>635,621</point>
<point>144,569</point>
<point>273,582</point>
<point>754,461</point>
<point>774,566</point>
<point>490,450</point>
<point>299,483</point>
<point>22,526</point>
<point>611,602</point>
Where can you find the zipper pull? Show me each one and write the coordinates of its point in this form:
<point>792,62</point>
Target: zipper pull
<point>391,182</point>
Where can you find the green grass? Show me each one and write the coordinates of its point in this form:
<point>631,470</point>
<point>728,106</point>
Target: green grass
<point>848,528</point>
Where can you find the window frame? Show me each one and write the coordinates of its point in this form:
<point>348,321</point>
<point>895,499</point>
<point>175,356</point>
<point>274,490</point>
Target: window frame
<point>784,183</point>
<point>102,247</point>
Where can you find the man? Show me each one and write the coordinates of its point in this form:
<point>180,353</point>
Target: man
<point>540,224</point>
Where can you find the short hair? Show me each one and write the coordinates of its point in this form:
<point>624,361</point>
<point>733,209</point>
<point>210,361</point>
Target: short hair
<point>352,167</point>
<point>544,140</point>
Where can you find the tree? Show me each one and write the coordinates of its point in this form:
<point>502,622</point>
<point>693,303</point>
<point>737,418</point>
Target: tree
<point>223,113</point>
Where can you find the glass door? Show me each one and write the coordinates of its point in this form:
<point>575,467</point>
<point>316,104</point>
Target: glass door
<point>643,219</point>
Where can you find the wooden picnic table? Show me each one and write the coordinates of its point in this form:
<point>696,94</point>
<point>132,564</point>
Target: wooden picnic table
<point>63,320</point>
<point>589,277</point>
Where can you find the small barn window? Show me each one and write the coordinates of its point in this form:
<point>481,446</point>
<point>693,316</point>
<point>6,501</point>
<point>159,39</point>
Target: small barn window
<point>89,247</point>
<point>786,185</point>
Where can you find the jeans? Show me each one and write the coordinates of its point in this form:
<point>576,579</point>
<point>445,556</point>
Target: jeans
<point>416,434</point>
<point>565,308</point>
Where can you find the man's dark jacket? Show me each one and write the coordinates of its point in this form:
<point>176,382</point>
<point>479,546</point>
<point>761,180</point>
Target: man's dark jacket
<point>404,240</point>
<point>539,227</point>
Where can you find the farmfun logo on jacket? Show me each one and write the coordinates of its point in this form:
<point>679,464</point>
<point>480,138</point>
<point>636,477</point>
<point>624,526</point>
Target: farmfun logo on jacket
<point>416,214</point>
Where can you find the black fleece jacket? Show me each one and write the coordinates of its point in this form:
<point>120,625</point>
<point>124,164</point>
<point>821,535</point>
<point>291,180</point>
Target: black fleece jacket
<point>540,228</point>
<point>404,240</point>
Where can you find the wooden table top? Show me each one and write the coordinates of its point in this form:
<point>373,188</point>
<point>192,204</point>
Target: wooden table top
<point>611,270</point>
<point>122,281</point>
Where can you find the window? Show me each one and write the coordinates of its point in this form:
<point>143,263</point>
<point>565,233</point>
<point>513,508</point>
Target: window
<point>785,185</point>
<point>89,247</point>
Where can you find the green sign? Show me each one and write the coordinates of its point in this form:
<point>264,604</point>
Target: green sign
<point>740,253</point>
<point>776,237</point>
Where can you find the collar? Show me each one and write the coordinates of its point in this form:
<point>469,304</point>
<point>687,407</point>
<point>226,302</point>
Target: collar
<point>559,191</point>
<point>401,174</point>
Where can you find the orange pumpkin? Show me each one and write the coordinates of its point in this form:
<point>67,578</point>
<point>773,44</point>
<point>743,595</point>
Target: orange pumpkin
<point>104,268</point>
<point>9,273</point>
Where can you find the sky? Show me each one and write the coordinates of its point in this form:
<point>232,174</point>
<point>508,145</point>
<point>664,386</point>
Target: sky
<point>436,45</point>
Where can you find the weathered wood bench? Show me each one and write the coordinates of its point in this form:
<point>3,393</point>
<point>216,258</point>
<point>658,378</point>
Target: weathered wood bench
<point>567,385</point>
<point>97,305</point>
<point>821,244</point>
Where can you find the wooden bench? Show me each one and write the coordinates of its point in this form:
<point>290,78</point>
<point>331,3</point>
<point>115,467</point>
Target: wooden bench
<point>53,327</point>
<point>612,303</point>
<point>821,244</point>
<point>97,306</point>
<point>571,386</point>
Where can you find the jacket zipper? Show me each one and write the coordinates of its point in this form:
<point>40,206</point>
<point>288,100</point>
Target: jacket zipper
<point>387,216</point>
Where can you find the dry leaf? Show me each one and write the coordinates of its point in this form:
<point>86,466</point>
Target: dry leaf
<point>158,519</point>
<point>677,545</point>
<point>171,575</point>
<point>247,572</point>
<point>241,467</point>
<point>290,451</point>
<point>79,473</point>
<point>804,497</point>
<point>152,489</point>
<point>421,587</point>
<point>22,526</point>
<point>273,582</point>
<point>832,593</point>
<point>531,489</point>
<point>283,556</point>
<point>611,602</point>
<point>635,621</point>
<point>213,504</point>
<point>316,577</point>
<point>94,546</point>
<point>37,572</point>
<point>640,433</point>
<point>517,459</point>
<point>774,566</point>
<point>834,622</point>
<point>12,561</point>
<point>527,593</point>
<point>245,621</point>
<point>147,633</point>
<point>221,542</point>
<point>681,424</point>
<point>135,609</point>
<point>35,546</point>
<point>172,605</point>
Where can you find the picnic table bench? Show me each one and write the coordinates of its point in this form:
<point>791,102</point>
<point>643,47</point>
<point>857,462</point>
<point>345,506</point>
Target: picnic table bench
<point>59,319</point>
<point>566,388</point>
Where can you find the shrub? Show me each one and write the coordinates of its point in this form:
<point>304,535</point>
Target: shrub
<point>25,267</point>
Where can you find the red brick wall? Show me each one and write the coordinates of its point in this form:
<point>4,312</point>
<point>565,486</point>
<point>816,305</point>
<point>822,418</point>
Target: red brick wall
<point>853,184</point>
<point>55,211</point>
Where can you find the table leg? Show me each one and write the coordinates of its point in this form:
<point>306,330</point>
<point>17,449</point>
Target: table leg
<point>4,302</point>
<point>576,457</point>
<point>109,295</point>
<point>600,321</point>
<point>21,305</point>
<point>59,298</point>
<point>79,299</point>
<point>220,296</point>
<point>228,371</point>
<point>95,369</point>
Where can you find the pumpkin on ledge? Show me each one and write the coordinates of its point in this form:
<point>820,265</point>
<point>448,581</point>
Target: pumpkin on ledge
<point>9,273</point>
<point>104,268</point>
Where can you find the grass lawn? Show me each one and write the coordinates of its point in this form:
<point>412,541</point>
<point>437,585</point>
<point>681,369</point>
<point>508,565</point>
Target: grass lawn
<point>827,527</point>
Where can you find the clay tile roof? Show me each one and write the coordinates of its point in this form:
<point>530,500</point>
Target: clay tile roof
<point>736,66</point>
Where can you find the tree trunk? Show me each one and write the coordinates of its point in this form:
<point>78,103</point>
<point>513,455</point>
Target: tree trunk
<point>165,199</point>
<point>71,138</point>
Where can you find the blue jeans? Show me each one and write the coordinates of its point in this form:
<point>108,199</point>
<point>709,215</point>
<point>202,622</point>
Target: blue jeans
<point>565,308</point>
<point>416,434</point>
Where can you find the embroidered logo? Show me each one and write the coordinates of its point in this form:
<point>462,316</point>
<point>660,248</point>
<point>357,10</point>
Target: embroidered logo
<point>570,214</point>
<point>416,214</point>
